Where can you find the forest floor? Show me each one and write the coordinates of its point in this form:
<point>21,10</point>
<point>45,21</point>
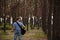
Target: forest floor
<point>34,34</point>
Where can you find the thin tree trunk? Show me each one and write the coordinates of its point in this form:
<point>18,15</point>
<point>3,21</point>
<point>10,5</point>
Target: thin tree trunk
<point>44,15</point>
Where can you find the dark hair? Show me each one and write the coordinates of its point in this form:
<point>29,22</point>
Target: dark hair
<point>17,18</point>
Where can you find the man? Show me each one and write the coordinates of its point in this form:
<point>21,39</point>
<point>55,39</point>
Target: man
<point>17,29</point>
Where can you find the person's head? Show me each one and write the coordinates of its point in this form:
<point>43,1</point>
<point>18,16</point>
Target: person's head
<point>18,19</point>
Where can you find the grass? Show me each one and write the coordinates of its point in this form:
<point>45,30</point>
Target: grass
<point>3,34</point>
<point>8,26</point>
<point>38,34</point>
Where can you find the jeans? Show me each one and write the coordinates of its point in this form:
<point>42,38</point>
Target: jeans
<point>17,34</point>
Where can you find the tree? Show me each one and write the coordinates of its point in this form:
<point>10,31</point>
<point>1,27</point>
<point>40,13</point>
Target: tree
<point>44,11</point>
<point>56,20</point>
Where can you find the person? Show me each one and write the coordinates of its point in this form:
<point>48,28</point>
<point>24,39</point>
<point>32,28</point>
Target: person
<point>17,29</point>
